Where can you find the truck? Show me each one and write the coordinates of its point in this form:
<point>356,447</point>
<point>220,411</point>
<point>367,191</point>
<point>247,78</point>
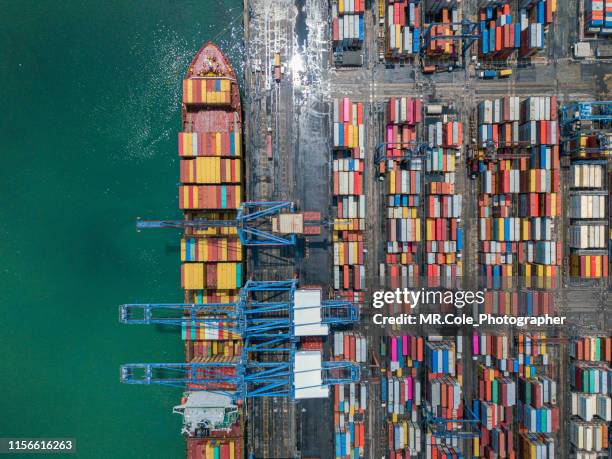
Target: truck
<point>277,67</point>
<point>487,74</point>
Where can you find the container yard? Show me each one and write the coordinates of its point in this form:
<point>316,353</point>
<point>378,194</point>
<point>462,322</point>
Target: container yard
<point>435,145</point>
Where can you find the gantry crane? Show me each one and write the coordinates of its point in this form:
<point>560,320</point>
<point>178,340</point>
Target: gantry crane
<point>452,428</point>
<point>269,321</point>
<point>253,223</point>
<point>409,150</point>
<point>468,35</point>
<point>600,111</point>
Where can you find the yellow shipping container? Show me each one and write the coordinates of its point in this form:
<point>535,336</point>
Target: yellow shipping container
<point>500,229</point>
<point>525,229</point>
<point>398,36</point>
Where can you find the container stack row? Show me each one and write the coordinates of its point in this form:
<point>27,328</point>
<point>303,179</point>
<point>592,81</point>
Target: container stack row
<point>495,396</point>
<point>588,212</point>
<point>350,404</point>
<point>499,35</point>
<point>539,261</point>
<point>535,17</point>
<point>598,17</point>
<point>348,159</point>
<point>401,393</point>
<point>591,387</point>
<point>347,24</point>
<point>519,200</point>
<point>222,448</point>
<point>537,409</point>
<point>443,204</point>
<point>403,32</point>
<point>444,396</point>
<point>403,196</point>
<point>512,302</point>
<point>587,142</point>
<point>350,400</point>
<point>588,237</point>
<point>441,20</point>
<point>349,213</point>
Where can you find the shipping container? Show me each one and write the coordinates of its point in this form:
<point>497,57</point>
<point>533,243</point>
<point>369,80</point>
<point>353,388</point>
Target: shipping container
<point>207,91</point>
<point>221,276</point>
<point>193,197</point>
<point>210,170</point>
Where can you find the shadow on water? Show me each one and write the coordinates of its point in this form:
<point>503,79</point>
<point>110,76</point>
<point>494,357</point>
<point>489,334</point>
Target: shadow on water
<point>173,247</point>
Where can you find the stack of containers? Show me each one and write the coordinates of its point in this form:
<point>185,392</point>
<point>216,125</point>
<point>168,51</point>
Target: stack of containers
<point>594,15</point>
<point>350,404</point>
<point>519,198</point>
<point>590,385</point>
<point>350,346</point>
<point>347,24</point>
<point>404,178</point>
<point>348,159</point>
<point>589,148</point>
<point>588,145</point>
<point>588,212</point>
<point>445,15</point>
<point>539,256</point>
<point>444,399</point>
<point>443,234</point>
<point>207,91</point>
<point>536,446</point>
<point>591,377</point>
<point>592,348</point>
<point>535,17</point>
<point>495,395</point>
<point>403,28</point>
<point>401,392</point>
<point>598,17</point>
<point>537,411</point>
<point>214,447</point>
<point>499,36</point>
<point>442,448</point>
<point>498,122</point>
<point>523,303</point>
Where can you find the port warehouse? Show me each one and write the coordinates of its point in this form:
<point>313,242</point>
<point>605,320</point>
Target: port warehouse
<point>479,395</point>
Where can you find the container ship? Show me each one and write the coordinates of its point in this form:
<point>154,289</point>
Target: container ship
<point>211,187</point>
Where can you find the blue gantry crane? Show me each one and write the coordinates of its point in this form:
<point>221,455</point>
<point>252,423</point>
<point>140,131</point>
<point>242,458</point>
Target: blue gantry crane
<point>465,427</point>
<point>587,111</point>
<point>468,35</point>
<point>599,116</point>
<point>265,318</point>
<point>410,150</point>
<point>252,223</point>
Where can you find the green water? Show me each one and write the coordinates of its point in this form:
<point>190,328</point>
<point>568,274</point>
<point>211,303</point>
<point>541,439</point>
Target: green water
<point>89,93</point>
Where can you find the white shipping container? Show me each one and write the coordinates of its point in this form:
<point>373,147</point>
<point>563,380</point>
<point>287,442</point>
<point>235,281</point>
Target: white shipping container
<point>586,206</point>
